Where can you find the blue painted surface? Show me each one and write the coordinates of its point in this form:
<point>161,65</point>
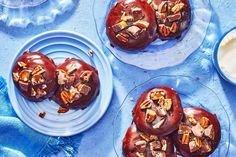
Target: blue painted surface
<point>97,141</point>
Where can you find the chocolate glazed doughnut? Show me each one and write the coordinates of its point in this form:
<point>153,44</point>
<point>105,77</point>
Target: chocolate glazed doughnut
<point>78,84</point>
<point>138,144</point>
<point>34,75</point>
<point>131,24</point>
<point>172,17</point>
<point>158,111</point>
<point>198,134</point>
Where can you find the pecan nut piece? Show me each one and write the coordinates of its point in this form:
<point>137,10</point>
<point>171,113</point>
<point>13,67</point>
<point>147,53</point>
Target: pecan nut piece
<point>146,104</point>
<point>173,27</point>
<point>164,30</point>
<point>123,37</point>
<point>150,115</point>
<point>185,138</point>
<point>177,7</point>
<point>119,26</point>
<point>159,124</point>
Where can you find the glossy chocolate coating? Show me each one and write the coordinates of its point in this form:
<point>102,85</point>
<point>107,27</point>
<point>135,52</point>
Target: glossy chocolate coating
<point>31,61</point>
<point>172,120</point>
<point>133,135</point>
<point>198,113</point>
<point>75,79</point>
<point>146,35</point>
<point>182,18</point>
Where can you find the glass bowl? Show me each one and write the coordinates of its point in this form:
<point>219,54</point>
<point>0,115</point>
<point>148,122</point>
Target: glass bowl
<point>159,54</point>
<point>21,13</point>
<point>192,93</point>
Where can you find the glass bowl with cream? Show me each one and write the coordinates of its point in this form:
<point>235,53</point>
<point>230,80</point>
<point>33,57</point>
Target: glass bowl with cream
<point>224,56</point>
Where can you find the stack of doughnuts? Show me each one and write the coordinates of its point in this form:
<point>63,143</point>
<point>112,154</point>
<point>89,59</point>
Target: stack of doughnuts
<point>134,24</point>
<point>160,123</point>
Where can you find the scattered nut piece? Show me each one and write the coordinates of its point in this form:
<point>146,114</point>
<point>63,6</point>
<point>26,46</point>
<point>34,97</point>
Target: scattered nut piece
<point>44,86</point>
<point>126,18</point>
<point>137,154</point>
<point>198,130</point>
<point>62,110</point>
<point>62,78</point>
<point>153,138</point>
<point>164,144</point>
<point>192,146</point>
<point>161,111</point>
<point>33,92</point>
<point>209,132</point>
<point>65,96</point>
<point>37,79</point>
<point>183,128</point>
<point>206,147</point>
<point>155,145</point>
<point>192,120</point>
<point>174,17</point>
<point>38,70</point>
<point>119,26</point>
<point>198,142</point>
<point>84,89</point>
<point>163,7</point>
<point>42,114</point>
<point>141,145</point>
<point>173,27</point>
<point>156,96</point>
<point>141,24</point>
<point>134,31</point>
<point>86,75</point>
<point>40,93</point>
<point>164,30</point>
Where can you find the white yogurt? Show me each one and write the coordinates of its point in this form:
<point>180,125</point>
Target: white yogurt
<point>227,55</point>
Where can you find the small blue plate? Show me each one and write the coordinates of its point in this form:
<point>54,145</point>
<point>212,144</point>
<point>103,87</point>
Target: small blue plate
<point>215,58</point>
<point>60,45</point>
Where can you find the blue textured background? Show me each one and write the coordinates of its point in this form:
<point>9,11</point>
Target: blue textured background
<point>97,141</point>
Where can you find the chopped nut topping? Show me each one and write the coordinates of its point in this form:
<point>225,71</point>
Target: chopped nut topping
<point>174,17</point>
<point>198,130</point>
<point>164,30</point>
<point>40,93</point>
<point>158,153</point>
<point>84,89</point>
<point>168,104</point>
<point>33,92</point>
<point>137,154</point>
<point>185,138</point>
<point>134,31</point>
<point>161,111</point>
<point>62,110</point>
<point>86,75</point>
<point>204,122</point>
<point>144,137</point>
<point>209,132</point>
<point>65,96</point>
<point>137,13</point>
<point>150,115</point>
<point>24,75</point>
<point>42,114</point>
<point>154,5</point>
<point>192,146</point>
<point>38,70</point>
<point>37,79</point>
<point>160,16</point>
<point>183,128</point>
<point>192,120</point>
<point>146,104</point>
<point>159,124</point>
<point>127,18</point>
<point>156,96</point>
<point>21,64</point>
<point>24,85</point>
<point>164,145</point>
<point>153,138</point>
<point>16,77</point>
<point>173,27</point>
<point>122,37</point>
<point>72,68</point>
<point>198,142</point>
<point>155,145</point>
<point>141,24</point>
<point>61,77</point>
<point>141,145</point>
<point>163,7</point>
<point>119,26</point>
<point>44,86</point>
<point>178,7</point>
<point>206,147</point>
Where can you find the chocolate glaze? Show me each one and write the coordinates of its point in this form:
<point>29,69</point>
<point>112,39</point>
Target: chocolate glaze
<point>198,113</point>
<point>93,83</point>
<point>133,135</point>
<point>31,61</point>
<point>173,119</point>
<point>182,22</point>
<point>144,38</point>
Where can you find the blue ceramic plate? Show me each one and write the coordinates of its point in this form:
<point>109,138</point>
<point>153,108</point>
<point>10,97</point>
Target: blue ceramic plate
<point>60,45</point>
<point>192,93</point>
<point>224,38</point>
